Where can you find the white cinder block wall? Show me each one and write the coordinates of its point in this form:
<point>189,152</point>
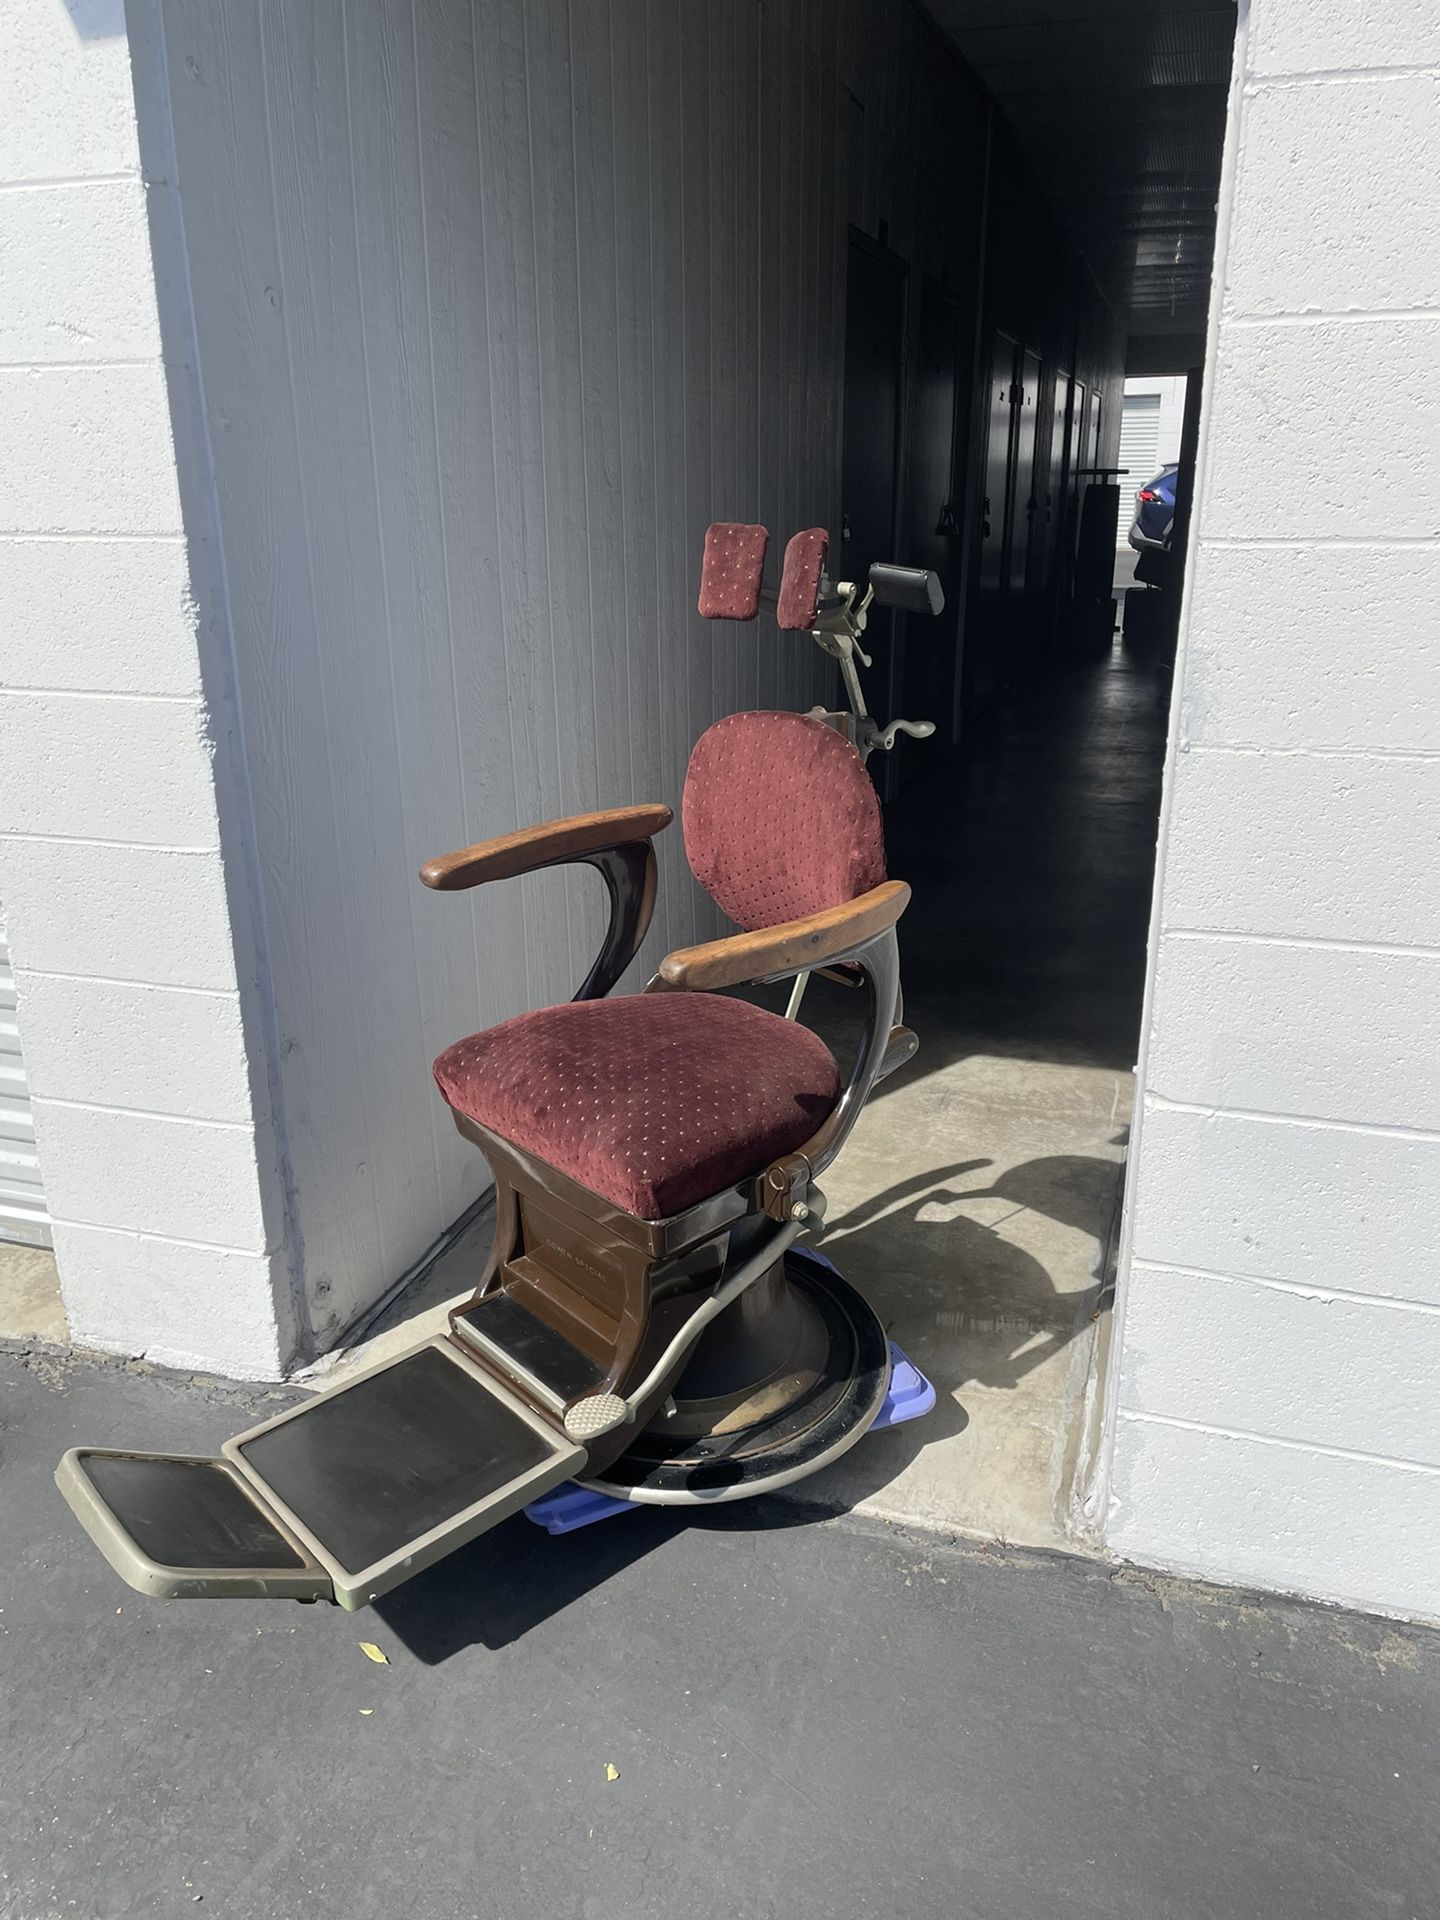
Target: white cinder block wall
<point>1277,1414</point>
<point>131,938</point>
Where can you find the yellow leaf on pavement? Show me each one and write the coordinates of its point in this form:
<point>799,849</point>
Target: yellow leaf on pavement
<point>372,1652</point>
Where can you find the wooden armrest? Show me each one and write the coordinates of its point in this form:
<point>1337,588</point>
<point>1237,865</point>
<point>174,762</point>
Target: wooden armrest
<point>571,839</point>
<point>788,948</point>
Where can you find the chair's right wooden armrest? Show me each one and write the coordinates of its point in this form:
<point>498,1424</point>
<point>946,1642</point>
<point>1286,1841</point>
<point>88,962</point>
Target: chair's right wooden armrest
<point>791,947</point>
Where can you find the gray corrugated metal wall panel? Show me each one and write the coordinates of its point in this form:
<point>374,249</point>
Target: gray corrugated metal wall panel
<point>23,1214</point>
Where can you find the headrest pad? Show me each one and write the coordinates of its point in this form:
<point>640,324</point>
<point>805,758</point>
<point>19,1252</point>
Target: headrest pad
<point>800,582</point>
<point>731,570</point>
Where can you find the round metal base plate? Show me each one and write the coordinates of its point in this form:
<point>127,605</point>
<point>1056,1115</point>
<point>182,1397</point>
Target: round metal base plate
<point>808,1417</point>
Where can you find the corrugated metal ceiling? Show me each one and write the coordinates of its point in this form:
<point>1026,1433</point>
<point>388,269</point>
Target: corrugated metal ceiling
<point>1121,109</point>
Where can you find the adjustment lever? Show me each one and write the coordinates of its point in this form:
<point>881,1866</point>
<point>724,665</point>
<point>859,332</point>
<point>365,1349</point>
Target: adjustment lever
<point>917,730</point>
<point>595,1414</point>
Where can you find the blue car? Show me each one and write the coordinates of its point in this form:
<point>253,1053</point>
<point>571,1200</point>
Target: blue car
<point>1155,513</point>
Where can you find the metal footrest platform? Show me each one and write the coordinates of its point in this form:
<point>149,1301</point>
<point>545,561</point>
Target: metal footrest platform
<point>342,1497</point>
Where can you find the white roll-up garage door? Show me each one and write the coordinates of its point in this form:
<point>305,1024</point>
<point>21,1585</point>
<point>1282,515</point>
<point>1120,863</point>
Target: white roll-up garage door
<point>1140,438</point>
<point>22,1199</point>
<point>1139,451</point>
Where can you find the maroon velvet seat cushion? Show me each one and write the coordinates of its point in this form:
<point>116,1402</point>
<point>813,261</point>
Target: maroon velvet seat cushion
<point>780,818</point>
<point>654,1101</point>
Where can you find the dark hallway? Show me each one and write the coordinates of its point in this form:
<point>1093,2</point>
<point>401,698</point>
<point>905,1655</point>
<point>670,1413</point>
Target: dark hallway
<point>1031,852</point>
<point>983,1182</point>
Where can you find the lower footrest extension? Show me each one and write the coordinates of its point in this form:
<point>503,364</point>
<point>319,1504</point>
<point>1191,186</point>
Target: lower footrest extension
<point>342,1497</point>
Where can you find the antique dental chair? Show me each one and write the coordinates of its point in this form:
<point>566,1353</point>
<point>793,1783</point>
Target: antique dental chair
<point>645,1324</point>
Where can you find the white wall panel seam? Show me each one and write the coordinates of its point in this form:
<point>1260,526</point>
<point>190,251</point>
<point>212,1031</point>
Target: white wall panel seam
<point>144,1113</point>
<point>1335,76</point>
<point>28,535</point>
<point>1280,1118</point>
<point>1300,942</point>
<point>123,846</point>
<point>110,980</point>
<point>1234,750</point>
<point>128,362</point>
<point>128,176</point>
<point>104,693</point>
<point>1261,542</point>
<point>1247,1435</point>
<point>93,533</point>
<point>1329,317</point>
<point>143,1236</point>
<point>1344,1295</point>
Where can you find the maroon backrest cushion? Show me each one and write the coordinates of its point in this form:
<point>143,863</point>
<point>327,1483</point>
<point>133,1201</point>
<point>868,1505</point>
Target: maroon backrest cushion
<point>799,596</point>
<point>731,570</point>
<point>780,818</point>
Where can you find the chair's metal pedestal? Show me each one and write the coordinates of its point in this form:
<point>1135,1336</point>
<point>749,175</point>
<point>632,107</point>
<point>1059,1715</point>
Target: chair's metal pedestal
<point>773,1394</point>
<point>907,1395</point>
<point>571,1507</point>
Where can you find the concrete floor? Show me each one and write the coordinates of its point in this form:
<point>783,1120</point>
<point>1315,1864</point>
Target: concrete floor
<point>814,1720</point>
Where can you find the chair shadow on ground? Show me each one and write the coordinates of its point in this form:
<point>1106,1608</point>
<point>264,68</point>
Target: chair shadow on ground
<point>952,1275</point>
<point>517,1577</point>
